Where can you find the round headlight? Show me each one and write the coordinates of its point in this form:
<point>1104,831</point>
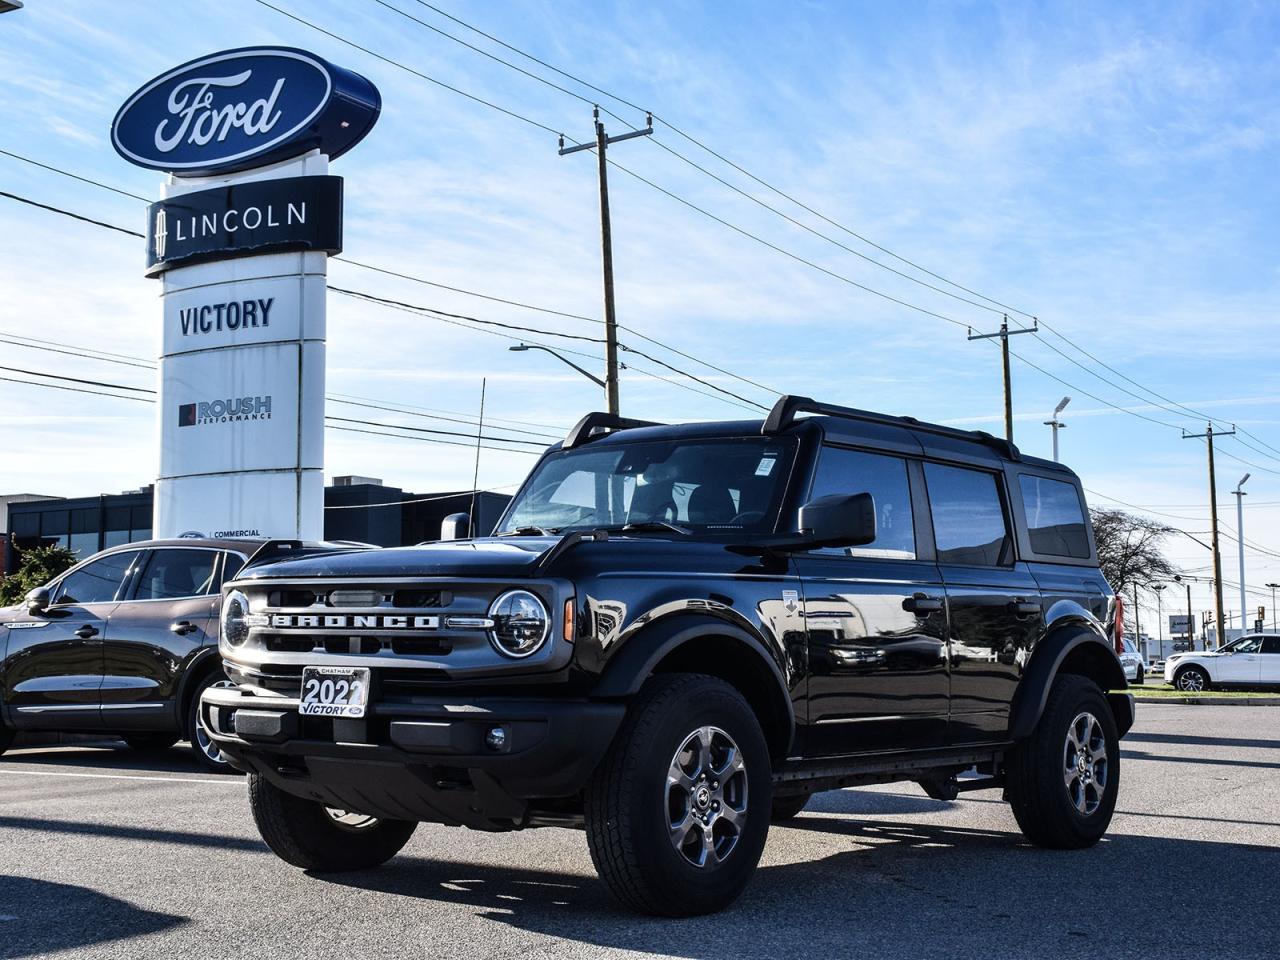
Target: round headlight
<point>235,618</point>
<point>521,623</point>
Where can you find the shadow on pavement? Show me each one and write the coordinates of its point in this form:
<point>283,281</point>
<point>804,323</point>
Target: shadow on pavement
<point>891,889</point>
<point>183,838</point>
<point>40,917</point>
<point>113,755</point>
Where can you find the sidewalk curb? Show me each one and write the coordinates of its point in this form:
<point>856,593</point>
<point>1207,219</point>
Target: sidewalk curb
<point>1214,701</point>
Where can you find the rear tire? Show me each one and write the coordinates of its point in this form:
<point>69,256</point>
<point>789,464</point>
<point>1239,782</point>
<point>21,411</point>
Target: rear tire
<point>205,750</point>
<point>1141,678</point>
<point>150,742</point>
<point>309,835</point>
<point>677,813</point>
<point>788,808</point>
<point>1063,780</point>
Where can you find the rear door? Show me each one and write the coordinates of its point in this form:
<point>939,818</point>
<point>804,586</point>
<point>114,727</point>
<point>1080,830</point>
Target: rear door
<point>53,672</point>
<point>993,600</point>
<point>154,633</point>
<point>1270,672</point>
<point>875,618</point>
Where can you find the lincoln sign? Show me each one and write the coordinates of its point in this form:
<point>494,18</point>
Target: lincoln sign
<point>239,239</point>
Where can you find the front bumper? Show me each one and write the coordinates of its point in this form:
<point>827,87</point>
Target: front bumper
<point>425,760</point>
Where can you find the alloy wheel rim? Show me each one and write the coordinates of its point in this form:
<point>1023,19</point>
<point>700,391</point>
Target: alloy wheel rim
<point>1191,681</point>
<point>1085,764</point>
<point>706,797</point>
<point>205,743</point>
<point>350,820</point>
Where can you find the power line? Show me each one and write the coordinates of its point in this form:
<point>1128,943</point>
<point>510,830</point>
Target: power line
<point>68,213</point>
<point>709,150</point>
<point>96,183</point>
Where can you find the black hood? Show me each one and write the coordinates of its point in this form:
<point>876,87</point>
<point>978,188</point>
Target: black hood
<point>486,557</point>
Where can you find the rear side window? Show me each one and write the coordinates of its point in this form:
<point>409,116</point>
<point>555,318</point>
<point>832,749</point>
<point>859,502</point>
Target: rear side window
<point>171,574</point>
<point>1055,518</point>
<point>885,478</point>
<point>968,517</point>
<point>1271,645</point>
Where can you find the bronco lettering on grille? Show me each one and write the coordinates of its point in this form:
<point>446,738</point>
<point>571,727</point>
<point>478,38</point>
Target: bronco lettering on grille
<point>354,621</point>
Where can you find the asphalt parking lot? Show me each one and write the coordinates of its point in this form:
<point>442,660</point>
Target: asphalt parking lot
<point>104,854</point>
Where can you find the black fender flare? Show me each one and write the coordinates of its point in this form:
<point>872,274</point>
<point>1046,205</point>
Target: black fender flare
<point>626,671</point>
<point>1046,661</point>
<point>195,672</point>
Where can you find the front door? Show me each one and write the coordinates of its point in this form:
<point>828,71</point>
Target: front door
<point>995,604</point>
<point>53,672</point>
<point>876,620</point>
<point>154,633</point>
<point>1242,663</point>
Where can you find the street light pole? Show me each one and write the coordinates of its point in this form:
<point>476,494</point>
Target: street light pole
<point>1239,494</point>
<point>1159,589</point>
<point>1056,424</point>
<point>1274,620</point>
<point>521,348</point>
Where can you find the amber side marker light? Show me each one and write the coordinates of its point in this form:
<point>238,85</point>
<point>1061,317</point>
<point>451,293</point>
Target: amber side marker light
<point>569,625</point>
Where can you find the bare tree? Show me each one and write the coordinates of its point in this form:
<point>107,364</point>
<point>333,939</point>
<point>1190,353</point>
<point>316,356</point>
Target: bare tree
<point>1129,550</point>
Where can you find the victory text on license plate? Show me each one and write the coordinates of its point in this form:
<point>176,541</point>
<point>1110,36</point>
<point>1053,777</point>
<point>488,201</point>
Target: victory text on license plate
<point>334,691</point>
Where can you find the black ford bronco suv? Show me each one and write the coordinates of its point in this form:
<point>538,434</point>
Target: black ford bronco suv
<point>677,635</point>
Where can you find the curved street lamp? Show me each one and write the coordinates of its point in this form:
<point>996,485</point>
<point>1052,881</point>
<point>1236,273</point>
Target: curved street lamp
<point>521,348</point>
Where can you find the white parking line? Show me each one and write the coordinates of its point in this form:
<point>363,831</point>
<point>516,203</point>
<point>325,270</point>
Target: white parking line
<point>229,781</point>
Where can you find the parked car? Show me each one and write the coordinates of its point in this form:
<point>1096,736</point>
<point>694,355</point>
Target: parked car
<point>677,635</point>
<point>1131,660</point>
<point>1249,661</point>
<point>122,643</point>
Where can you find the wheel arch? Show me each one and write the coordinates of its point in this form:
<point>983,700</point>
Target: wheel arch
<point>1072,649</point>
<point>693,644</point>
<point>208,661</point>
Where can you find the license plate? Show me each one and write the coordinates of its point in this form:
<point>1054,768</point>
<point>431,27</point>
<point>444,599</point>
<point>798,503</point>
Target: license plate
<point>334,691</point>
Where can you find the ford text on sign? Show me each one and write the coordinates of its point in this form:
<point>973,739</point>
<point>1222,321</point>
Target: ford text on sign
<point>244,108</point>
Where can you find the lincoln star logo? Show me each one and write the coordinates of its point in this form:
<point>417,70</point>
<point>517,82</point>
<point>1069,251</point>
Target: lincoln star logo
<point>340,621</point>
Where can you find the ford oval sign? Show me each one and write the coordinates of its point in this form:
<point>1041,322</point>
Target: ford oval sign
<point>244,108</point>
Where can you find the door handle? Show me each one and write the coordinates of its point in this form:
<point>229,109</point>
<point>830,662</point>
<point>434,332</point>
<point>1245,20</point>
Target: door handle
<point>87,632</point>
<point>1024,608</point>
<point>920,604</point>
<point>182,627</point>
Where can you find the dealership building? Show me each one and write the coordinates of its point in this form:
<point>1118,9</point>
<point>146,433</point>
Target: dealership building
<point>355,508</point>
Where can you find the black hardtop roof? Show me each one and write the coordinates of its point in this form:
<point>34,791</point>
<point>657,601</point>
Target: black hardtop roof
<point>842,424</point>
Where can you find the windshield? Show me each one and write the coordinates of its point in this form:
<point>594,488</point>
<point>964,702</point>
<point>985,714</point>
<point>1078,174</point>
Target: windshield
<point>708,487</point>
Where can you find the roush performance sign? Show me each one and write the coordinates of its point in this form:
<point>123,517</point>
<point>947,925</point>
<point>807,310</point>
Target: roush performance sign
<point>261,216</point>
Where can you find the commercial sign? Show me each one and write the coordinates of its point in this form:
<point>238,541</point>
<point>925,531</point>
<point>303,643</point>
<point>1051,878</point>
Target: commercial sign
<point>244,108</point>
<point>245,219</point>
<point>1179,623</point>
<point>239,241</point>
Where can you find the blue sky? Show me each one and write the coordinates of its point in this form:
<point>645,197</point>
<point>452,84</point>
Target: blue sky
<point>1110,168</point>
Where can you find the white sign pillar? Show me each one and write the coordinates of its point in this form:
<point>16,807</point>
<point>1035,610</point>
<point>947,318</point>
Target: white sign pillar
<point>241,382</point>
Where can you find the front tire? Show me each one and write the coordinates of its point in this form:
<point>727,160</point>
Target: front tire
<point>677,813</point>
<point>1063,780</point>
<point>1192,680</point>
<point>315,837</point>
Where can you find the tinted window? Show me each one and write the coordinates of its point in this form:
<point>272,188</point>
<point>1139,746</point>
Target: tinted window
<point>170,574</point>
<point>1055,519</point>
<point>96,582</point>
<point>231,567</point>
<point>968,519</point>
<point>1246,645</point>
<point>885,478</point>
<point>1271,645</point>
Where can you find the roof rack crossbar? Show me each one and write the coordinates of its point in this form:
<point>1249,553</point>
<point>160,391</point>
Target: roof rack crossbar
<point>787,407</point>
<point>595,423</point>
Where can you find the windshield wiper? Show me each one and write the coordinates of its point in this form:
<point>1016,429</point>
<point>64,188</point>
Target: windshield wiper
<point>652,526</point>
<point>529,531</point>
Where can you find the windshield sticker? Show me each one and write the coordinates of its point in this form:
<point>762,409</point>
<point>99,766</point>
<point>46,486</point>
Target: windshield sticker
<point>766,466</point>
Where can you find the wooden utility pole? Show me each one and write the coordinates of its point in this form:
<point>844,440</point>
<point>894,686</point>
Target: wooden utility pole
<point>601,146</point>
<point>1208,436</point>
<point>1004,333</point>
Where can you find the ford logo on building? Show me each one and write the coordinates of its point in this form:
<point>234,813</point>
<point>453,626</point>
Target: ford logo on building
<point>244,108</point>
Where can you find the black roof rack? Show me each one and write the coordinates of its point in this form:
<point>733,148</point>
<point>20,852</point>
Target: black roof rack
<point>595,423</point>
<point>784,413</point>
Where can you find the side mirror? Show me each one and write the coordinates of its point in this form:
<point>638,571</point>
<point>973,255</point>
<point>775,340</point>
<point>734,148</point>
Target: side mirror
<point>839,520</point>
<point>38,600</point>
<point>456,526</point>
